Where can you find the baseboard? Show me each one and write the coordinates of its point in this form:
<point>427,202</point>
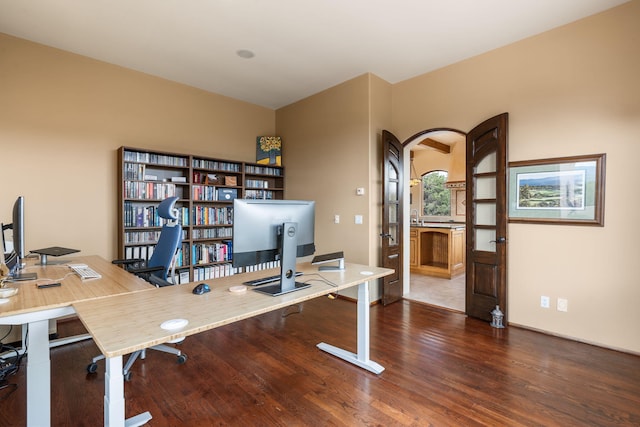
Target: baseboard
<point>570,338</point>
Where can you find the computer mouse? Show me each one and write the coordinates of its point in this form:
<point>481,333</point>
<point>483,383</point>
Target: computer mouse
<point>202,288</point>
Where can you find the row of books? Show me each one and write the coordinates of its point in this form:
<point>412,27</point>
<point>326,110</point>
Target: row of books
<point>224,270</point>
<point>258,267</point>
<point>212,272</point>
<point>149,190</point>
<point>262,170</point>
<point>143,237</point>
<point>212,215</point>
<point>206,253</point>
<point>257,183</point>
<point>157,159</point>
<point>259,194</point>
<point>204,192</point>
<point>212,233</point>
<point>136,215</point>
<point>145,251</point>
<point>134,171</point>
<point>216,165</point>
<point>209,193</point>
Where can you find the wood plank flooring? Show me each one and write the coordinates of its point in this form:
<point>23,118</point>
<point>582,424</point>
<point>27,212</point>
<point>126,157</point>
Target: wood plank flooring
<point>442,369</point>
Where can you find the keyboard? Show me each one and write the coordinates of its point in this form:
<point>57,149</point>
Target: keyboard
<point>84,271</point>
<point>265,280</point>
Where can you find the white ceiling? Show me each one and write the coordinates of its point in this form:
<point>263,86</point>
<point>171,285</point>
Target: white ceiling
<point>301,46</point>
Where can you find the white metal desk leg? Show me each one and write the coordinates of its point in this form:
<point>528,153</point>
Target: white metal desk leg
<point>114,397</point>
<point>362,358</point>
<point>38,375</point>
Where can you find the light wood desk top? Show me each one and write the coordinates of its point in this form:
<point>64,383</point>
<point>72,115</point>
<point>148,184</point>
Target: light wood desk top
<point>30,299</point>
<point>126,323</point>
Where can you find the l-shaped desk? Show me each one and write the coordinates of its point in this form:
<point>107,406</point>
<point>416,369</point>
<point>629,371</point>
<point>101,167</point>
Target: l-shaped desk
<point>128,318</point>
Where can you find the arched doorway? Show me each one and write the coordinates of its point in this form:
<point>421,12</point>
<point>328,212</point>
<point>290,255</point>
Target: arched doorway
<point>428,281</point>
<point>485,255</point>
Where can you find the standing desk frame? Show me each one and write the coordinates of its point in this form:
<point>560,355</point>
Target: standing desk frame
<point>52,303</point>
<point>38,362</point>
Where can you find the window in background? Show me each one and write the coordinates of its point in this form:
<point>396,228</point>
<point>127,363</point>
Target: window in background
<point>436,198</point>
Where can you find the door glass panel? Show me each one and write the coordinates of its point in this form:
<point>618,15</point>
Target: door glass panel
<point>393,231</point>
<point>485,240</point>
<point>485,214</point>
<point>393,173</point>
<point>485,187</point>
<point>393,213</point>
<point>488,164</point>
<point>393,192</point>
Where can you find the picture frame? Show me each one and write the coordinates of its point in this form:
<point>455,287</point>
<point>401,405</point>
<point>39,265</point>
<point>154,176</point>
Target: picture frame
<point>562,190</point>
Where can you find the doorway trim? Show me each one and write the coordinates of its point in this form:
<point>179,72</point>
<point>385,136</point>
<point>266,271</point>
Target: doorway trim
<point>407,145</point>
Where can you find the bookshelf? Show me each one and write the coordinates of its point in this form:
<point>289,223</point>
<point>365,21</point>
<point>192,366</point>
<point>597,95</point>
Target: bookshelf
<point>205,187</point>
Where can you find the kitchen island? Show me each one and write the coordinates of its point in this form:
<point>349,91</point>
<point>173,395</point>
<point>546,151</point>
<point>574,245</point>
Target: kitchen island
<point>437,249</point>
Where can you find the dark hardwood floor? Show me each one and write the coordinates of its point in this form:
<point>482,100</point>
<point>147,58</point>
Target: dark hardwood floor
<point>442,369</point>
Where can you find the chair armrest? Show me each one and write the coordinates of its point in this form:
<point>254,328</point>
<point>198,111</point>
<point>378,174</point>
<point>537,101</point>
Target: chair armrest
<point>144,270</point>
<point>158,282</point>
<point>127,261</point>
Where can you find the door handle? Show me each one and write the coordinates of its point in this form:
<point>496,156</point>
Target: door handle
<point>499,240</point>
<point>385,235</point>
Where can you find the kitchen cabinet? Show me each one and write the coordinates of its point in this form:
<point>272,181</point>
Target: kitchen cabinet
<point>437,250</point>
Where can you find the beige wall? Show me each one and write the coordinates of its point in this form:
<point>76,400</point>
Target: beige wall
<point>570,91</point>
<point>331,147</point>
<point>380,119</point>
<point>62,118</point>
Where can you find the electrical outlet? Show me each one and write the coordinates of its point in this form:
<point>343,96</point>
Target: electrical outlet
<point>544,302</point>
<point>358,219</point>
<point>563,304</point>
<point>336,219</point>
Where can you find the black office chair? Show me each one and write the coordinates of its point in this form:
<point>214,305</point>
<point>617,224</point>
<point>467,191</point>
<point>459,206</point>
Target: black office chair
<point>155,271</point>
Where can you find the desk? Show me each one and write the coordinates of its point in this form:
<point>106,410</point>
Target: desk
<point>35,307</point>
<point>129,322</point>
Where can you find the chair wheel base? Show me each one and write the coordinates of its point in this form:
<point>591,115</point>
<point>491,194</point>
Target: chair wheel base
<point>182,359</point>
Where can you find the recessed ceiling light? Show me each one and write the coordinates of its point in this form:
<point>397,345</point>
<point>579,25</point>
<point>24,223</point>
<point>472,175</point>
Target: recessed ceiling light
<point>245,53</point>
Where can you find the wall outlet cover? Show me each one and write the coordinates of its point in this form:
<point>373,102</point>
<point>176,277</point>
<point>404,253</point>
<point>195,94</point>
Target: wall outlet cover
<point>544,301</point>
<point>563,304</point>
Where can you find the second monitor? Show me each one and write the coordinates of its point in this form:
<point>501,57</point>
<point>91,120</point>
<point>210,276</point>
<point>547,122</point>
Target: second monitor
<point>273,230</point>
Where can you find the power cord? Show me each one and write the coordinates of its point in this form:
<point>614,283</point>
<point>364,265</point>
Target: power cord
<point>298,307</point>
<point>7,369</point>
<point>332,295</point>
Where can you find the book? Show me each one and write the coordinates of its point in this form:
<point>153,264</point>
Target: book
<point>227,193</point>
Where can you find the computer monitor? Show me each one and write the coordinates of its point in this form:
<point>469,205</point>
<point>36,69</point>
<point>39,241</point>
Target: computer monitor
<point>273,230</point>
<point>18,228</point>
<point>14,258</point>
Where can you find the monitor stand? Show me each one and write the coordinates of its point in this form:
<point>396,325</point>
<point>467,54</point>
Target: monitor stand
<point>289,246</point>
<point>332,257</point>
<point>53,251</point>
<point>14,264</point>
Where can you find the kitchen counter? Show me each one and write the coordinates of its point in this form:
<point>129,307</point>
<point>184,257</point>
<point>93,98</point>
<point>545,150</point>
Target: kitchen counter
<point>437,249</point>
<point>452,225</point>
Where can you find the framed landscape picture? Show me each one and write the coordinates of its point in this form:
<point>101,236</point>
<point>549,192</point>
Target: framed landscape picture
<point>563,190</point>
